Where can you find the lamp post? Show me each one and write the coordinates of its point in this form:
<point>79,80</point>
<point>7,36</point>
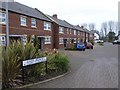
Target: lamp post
<point>7,24</point>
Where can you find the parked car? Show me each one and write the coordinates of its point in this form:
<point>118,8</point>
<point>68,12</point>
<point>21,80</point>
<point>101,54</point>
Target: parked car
<point>89,45</point>
<point>116,42</point>
<point>80,46</point>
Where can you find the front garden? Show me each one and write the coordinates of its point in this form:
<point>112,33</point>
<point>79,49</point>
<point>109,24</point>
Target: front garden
<point>13,55</point>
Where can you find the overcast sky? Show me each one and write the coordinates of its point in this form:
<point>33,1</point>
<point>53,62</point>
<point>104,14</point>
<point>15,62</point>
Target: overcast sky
<point>78,11</point>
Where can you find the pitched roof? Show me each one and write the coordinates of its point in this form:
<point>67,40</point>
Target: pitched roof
<point>61,22</point>
<point>25,10</point>
<point>78,28</point>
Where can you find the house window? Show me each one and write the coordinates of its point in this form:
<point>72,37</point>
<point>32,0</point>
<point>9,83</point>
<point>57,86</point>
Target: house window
<point>75,40</point>
<point>70,31</point>
<point>70,40</point>
<point>23,20</point>
<point>47,40</point>
<point>47,26</point>
<point>67,40</point>
<point>33,22</point>
<point>2,41</point>
<point>74,32</point>
<point>83,34</point>
<point>60,40</point>
<point>67,31</point>
<point>61,30</point>
<point>2,18</point>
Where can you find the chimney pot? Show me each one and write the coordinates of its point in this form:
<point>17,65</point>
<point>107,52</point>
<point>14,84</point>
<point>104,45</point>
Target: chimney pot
<point>82,26</point>
<point>55,15</point>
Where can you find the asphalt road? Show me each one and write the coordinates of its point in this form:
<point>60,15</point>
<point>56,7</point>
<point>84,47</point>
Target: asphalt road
<point>97,68</point>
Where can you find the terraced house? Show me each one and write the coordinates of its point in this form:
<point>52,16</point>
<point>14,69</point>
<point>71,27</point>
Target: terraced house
<point>51,32</point>
<point>25,21</point>
<point>64,33</point>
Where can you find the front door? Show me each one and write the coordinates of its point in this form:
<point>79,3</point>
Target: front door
<point>65,42</point>
<point>40,43</point>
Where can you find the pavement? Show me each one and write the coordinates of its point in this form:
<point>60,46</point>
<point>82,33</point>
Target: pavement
<point>97,68</point>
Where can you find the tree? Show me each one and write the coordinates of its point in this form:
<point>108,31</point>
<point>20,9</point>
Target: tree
<point>111,26</point>
<point>91,26</point>
<point>111,36</point>
<point>104,28</point>
<point>84,25</point>
<point>116,28</point>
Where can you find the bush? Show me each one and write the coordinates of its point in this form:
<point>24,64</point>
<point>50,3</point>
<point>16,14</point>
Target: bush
<point>10,66</point>
<point>13,55</point>
<point>101,44</point>
<point>58,62</point>
<point>72,47</point>
<point>92,41</point>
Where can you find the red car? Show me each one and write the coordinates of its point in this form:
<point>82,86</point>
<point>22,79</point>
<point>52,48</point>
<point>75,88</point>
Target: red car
<point>89,45</point>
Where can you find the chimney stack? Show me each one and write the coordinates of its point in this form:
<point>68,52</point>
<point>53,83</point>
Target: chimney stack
<point>55,16</point>
<point>82,26</point>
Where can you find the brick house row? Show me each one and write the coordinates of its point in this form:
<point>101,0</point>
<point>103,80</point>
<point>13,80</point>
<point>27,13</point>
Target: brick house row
<point>52,32</point>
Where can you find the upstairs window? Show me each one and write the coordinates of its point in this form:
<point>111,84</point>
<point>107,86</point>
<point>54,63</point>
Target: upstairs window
<point>75,32</point>
<point>2,18</point>
<point>33,22</point>
<point>23,20</point>
<point>61,30</point>
<point>67,31</point>
<point>47,26</point>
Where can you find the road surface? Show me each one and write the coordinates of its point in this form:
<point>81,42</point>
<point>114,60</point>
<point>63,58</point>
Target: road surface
<point>97,68</point>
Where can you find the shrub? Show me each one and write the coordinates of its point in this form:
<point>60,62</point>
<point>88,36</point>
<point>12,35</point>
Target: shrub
<point>92,41</point>
<point>58,62</point>
<point>101,44</point>
<point>10,66</point>
<point>12,56</point>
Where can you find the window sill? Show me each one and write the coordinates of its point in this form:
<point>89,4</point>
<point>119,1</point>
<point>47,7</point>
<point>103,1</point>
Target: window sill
<point>23,25</point>
<point>60,43</point>
<point>61,33</point>
<point>33,27</point>
<point>47,43</point>
<point>47,30</point>
<point>3,23</point>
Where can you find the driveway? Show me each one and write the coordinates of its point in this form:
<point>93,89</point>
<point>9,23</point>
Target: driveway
<point>97,68</point>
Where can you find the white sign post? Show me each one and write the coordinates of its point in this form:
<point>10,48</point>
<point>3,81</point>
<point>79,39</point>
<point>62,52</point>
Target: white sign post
<point>31,62</point>
<point>34,61</point>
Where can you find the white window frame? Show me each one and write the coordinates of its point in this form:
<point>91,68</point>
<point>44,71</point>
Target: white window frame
<point>33,22</point>
<point>47,40</point>
<point>61,41</point>
<point>75,40</point>
<point>23,20</point>
<point>75,32</point>
<point>70,40</point>
<point>47,26</point>
<point>2,17</point>
<point>2,41</point>
<point>61,30</point>
<point>67,31</point>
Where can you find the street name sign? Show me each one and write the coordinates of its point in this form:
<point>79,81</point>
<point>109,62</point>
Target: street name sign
<point>34,61</point>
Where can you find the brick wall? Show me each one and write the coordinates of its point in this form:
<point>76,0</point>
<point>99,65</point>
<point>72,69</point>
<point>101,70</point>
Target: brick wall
<point>15,27</point>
